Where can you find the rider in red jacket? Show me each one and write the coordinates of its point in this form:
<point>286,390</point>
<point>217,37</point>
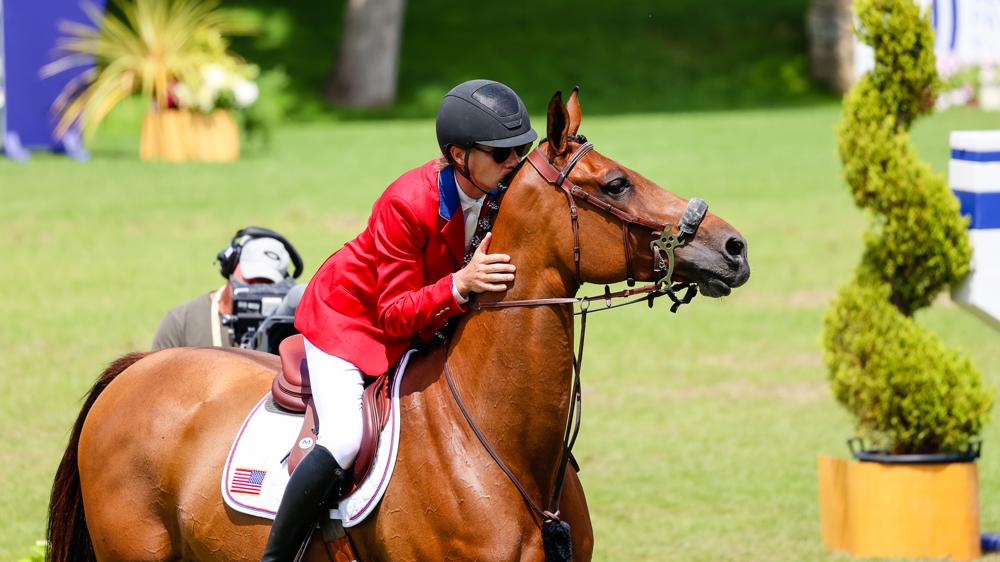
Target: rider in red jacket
<point>402,277</point>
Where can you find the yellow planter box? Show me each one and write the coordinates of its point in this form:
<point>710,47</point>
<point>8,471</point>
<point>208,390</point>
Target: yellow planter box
<point>871,509</point>
<point>179,135</point>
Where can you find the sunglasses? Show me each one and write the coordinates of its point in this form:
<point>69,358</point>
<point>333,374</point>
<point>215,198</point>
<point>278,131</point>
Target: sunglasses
<point>500,155</point>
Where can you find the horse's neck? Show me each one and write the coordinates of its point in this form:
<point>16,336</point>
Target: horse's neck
<point>514,365</point>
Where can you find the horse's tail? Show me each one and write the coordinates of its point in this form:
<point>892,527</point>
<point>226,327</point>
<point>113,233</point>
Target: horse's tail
<point>68,537</point>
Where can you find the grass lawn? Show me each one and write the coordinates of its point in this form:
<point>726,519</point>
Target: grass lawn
<point>700,430</point>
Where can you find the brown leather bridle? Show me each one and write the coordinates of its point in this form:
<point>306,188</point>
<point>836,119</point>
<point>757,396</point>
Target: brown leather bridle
<point>560,179</point>
<point>663,245</point>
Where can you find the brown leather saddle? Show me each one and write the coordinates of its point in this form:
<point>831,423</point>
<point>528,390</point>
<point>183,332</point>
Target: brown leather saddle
<point>291,391</point>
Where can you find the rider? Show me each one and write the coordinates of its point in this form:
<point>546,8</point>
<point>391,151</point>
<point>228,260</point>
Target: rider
<point>401,277</point>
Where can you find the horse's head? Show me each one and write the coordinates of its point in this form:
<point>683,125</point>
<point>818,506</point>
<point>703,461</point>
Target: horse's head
<point>620,213</point>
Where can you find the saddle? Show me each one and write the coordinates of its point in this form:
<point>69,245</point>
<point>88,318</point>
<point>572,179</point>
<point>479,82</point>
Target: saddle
<point>291,391</point>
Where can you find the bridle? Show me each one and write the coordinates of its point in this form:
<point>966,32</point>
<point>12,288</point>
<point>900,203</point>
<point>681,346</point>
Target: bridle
<point>662,246</point>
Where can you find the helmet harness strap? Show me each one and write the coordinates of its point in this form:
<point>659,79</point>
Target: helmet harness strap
<point>466,172</point>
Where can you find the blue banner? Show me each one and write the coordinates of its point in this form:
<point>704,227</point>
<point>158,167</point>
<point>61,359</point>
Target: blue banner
<point>30,31</point>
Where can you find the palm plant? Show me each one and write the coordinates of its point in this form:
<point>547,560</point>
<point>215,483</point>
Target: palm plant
<point>140,46</point>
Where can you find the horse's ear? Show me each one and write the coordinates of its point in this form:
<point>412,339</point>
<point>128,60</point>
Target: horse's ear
<point>574,111</point>
<point>558,125</point>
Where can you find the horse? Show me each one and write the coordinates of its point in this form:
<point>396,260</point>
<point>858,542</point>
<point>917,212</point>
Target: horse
<point>140,477</point>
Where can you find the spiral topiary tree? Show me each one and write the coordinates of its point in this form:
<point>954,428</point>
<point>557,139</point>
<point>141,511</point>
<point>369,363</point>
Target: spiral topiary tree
<point>908,392</point>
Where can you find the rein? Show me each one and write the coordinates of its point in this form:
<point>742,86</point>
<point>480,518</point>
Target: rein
<point>662,246</point>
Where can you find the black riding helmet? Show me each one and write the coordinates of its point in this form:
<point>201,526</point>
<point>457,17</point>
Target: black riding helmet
<point>483,112</point>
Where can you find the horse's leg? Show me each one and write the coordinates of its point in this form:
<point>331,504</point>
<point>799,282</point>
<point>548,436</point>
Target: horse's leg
<point>139,536</point>
<point>124,504</point>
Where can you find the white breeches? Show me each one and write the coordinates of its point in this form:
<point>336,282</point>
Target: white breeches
<point>337,386</point>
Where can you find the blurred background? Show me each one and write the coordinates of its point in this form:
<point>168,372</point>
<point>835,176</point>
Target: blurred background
<point>700,430</point>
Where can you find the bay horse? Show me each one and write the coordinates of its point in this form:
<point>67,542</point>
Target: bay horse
<point>140,478</point>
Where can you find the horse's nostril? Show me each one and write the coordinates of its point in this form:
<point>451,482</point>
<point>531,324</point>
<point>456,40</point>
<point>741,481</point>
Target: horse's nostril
<point>734,247</point>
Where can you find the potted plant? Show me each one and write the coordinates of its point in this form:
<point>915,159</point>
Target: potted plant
<point>201,110</point>
<point>918,404</point>
<point>175,54</point>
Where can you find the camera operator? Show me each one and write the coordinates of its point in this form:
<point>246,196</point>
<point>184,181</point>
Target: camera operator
<point>258,285</point>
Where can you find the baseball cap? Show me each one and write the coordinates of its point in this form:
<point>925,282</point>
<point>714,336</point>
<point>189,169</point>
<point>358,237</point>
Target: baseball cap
<point>264,258</point>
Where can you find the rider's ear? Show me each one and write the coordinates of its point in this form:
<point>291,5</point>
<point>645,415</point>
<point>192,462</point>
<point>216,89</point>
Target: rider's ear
<point>558,125</point>
<point>457,155</point>
<point>574,112</point>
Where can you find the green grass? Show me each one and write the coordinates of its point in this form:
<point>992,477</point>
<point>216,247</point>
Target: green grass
<point>638,56</point>
<point>700,430</point>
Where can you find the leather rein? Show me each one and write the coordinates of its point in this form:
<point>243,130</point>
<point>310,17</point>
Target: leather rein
<point>663,245</point>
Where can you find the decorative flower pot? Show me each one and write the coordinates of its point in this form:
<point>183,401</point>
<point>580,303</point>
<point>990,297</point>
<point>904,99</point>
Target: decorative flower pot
<point>177,135</point>
<point>164,135</point>
<point>214,137</point>
<point>922,506</point>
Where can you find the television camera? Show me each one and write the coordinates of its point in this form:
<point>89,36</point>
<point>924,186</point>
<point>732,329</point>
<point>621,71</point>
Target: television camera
<point>263,314</point>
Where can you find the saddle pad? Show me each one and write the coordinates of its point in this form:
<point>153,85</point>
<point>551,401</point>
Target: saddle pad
<point>256,470</point>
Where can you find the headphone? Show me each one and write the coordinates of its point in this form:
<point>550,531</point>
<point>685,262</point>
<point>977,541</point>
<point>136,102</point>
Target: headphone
<point>229,257</point>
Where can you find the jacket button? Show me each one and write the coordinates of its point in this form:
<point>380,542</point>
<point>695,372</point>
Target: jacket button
<point>442,311</point>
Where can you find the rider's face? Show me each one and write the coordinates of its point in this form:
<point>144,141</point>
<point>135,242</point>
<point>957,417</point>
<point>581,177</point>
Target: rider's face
<point>485,170</point>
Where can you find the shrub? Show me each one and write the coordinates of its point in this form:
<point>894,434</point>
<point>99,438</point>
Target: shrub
<point>908,392</point>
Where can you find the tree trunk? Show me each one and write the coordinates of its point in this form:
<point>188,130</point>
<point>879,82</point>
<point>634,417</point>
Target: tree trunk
<point>367,67</point>
<point>831,43</point>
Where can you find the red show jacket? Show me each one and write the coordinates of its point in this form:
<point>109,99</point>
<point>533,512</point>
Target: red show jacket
<point>370,298</point>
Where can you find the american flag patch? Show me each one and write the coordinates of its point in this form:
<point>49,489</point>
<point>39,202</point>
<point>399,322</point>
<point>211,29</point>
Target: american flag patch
<point>247,481</point>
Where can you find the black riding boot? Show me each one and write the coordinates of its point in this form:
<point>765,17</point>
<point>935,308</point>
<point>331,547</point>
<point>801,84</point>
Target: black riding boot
<point>314,481</point>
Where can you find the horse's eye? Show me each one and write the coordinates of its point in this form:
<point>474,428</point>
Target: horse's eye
<point>616,186</point>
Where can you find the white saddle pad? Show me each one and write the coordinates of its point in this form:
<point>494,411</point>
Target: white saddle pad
<point>256,470</point>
